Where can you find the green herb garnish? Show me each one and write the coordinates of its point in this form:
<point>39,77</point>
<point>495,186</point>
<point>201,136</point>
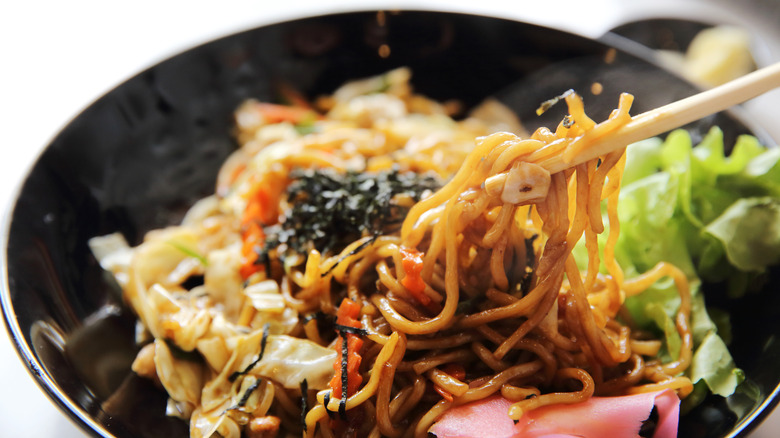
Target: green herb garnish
<point>189,251</point>
<point>308,124</point>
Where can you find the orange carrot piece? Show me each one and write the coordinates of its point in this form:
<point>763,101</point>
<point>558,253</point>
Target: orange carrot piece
<point>293,96</point>
<point>412,281</point>
<point>274,113</point>
<point>455,370</point>
<point>260,209</point>
<point>347,315</point>
<point>252,238</point>
<point>443,393</point>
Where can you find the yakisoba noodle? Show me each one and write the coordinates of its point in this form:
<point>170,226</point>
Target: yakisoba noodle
<point>475,293</point>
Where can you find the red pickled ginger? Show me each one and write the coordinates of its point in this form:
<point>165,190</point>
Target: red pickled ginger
<point>599,417</point>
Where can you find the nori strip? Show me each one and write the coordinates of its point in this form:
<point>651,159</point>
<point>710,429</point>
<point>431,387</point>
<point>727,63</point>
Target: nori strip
<point>344,379</point>
<point>547,104</point>
<point>342,329</point>
<point>248,393</point>
<point>263,341</point>
<point>326,401</point>
<point>304,402</point>
<point>359,248</point>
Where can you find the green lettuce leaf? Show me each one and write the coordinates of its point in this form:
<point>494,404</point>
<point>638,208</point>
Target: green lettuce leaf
<point>749,231</point>
<point>662,319</point>
<point>713,364</point>
<point>714,216</point>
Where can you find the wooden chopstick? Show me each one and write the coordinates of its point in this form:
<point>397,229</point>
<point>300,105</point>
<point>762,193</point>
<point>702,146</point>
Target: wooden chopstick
<point>676,114</point>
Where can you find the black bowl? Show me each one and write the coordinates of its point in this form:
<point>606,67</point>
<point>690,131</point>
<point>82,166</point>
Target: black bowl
<point>139,156</point>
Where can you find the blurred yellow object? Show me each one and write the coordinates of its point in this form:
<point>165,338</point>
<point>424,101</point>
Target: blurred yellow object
<point>718,55</point>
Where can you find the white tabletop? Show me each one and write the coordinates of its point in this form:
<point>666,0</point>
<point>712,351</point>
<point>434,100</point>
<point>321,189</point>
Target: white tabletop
<point>57,57</point>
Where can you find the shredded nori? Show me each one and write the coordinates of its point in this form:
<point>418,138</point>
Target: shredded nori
<point>344,379</point>
<point>342,329</point>
<point>547,104</point>
<point>263,341</point>
<point>330,210</point>
<point>248,393</point>
<point>245,397</point>
<point>357,249</point>
<point>304,402</point>
<point>326,401</point>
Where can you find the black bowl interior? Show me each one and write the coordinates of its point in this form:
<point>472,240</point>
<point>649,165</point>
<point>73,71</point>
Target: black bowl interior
<point>140,155</point>
<point>662,33</point>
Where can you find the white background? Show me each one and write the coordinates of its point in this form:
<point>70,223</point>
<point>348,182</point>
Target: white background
<point>57,57</point>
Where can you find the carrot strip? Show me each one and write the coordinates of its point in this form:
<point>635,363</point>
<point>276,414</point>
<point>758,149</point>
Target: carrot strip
<point>412,281</point>
<point>457,371</point>
<point>274,113</point>
<point>261,208</point>
<point>443,393</point>
<point>292,96</point>
<point>347,315</point>
<point>237,171</point>
<point>253,238</point>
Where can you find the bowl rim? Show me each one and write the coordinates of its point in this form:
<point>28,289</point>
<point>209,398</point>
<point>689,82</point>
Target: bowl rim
<point>23,350</point>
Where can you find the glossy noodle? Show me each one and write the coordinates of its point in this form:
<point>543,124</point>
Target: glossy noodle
<point>366,264</point>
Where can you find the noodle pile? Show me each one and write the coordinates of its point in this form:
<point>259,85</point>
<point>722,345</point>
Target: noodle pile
<point>475,293</point>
